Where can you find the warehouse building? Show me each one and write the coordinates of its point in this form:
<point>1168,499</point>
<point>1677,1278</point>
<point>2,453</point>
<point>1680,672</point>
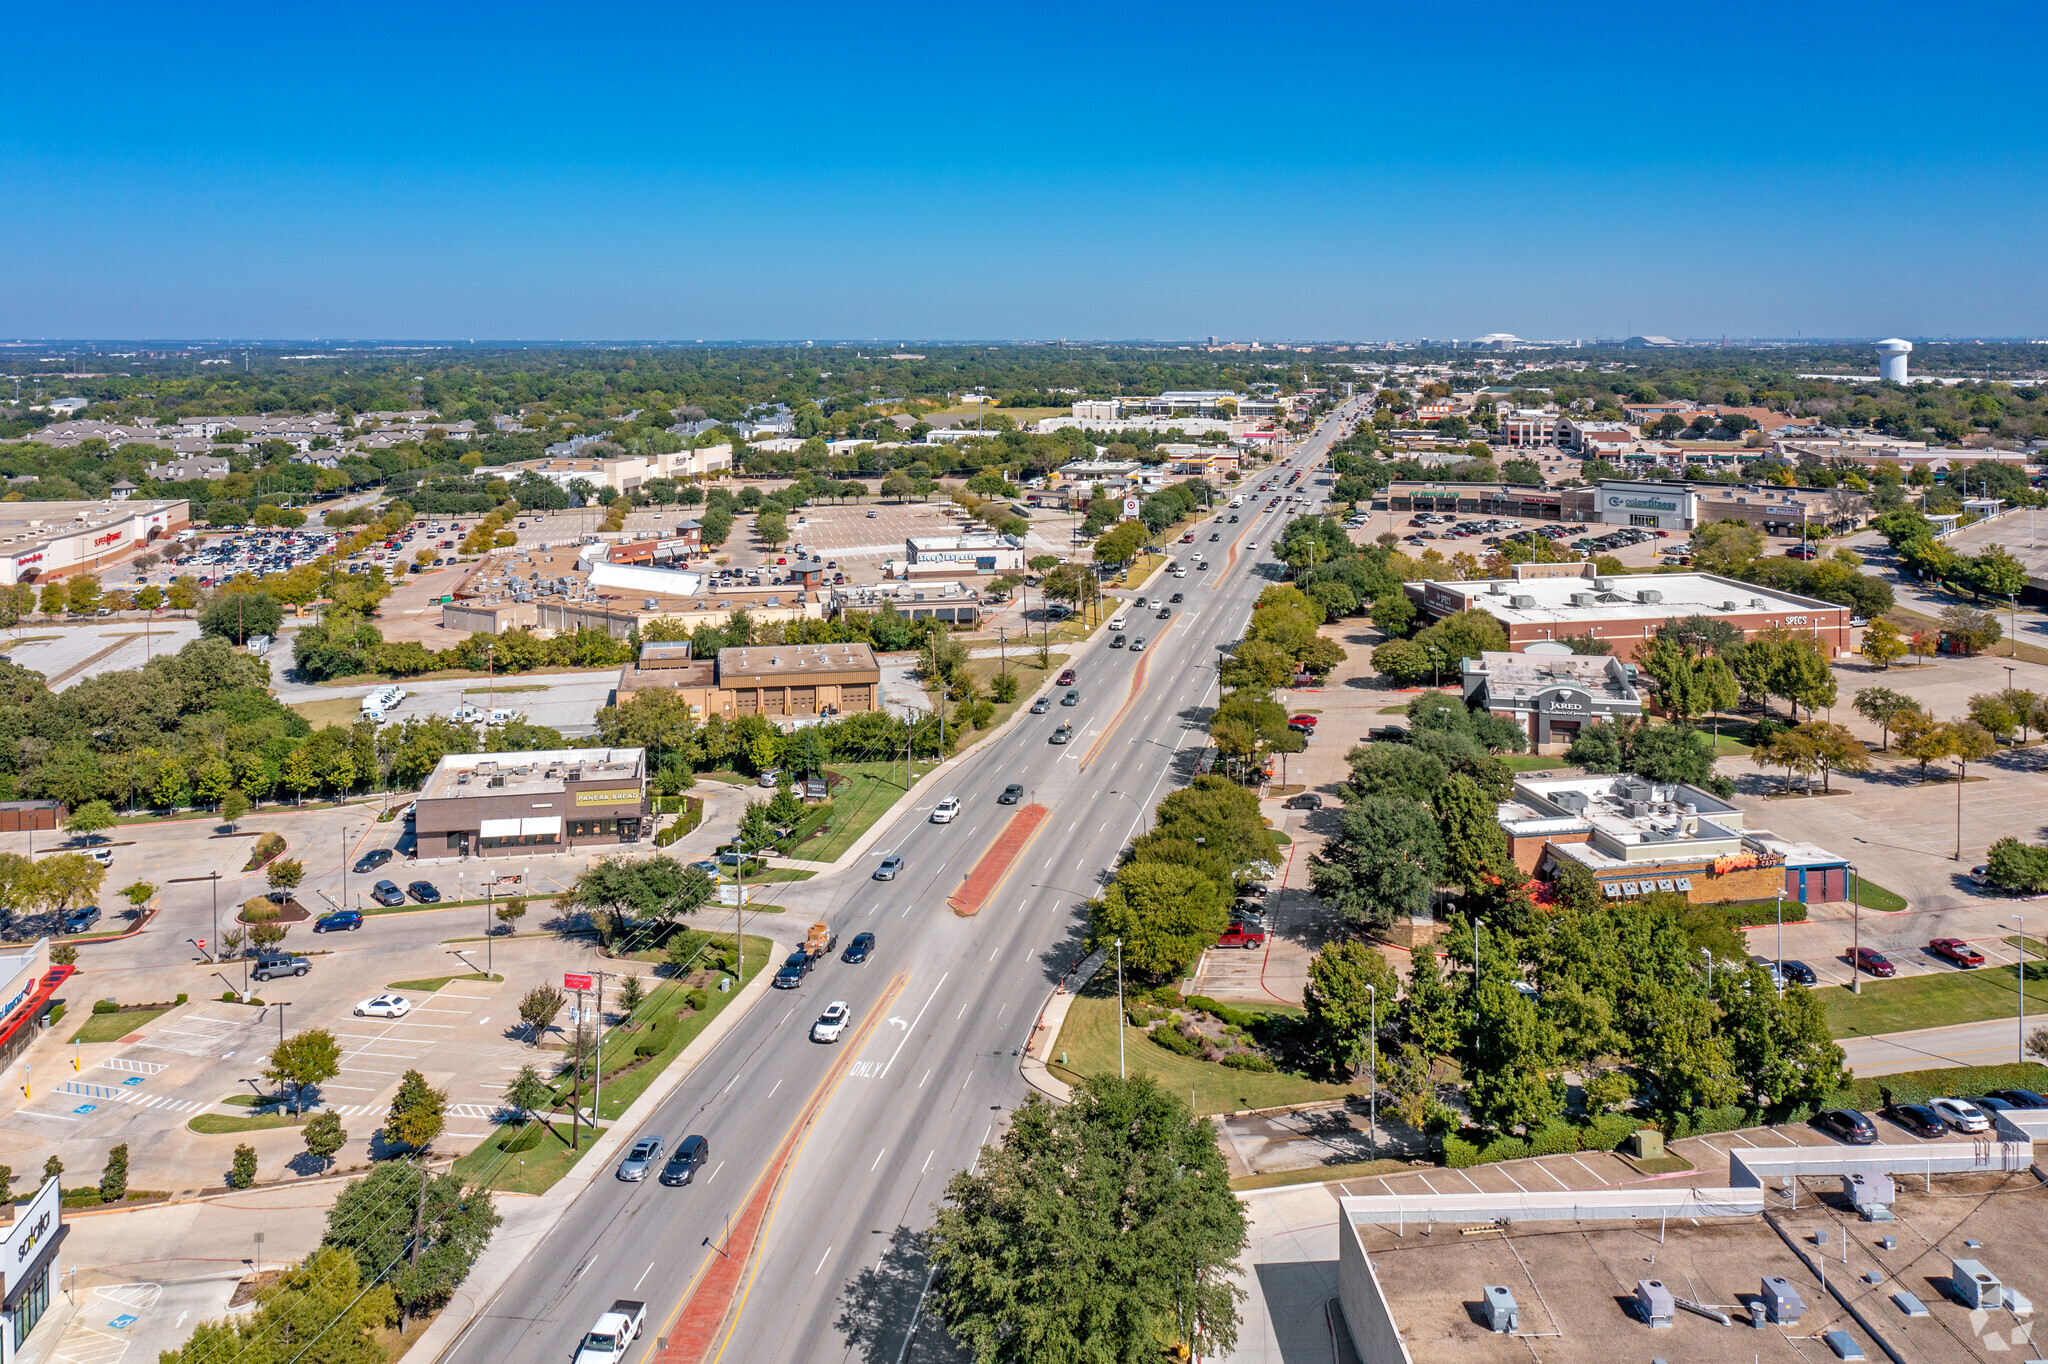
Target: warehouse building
<point>522,803</point>
<point>1556,601</point>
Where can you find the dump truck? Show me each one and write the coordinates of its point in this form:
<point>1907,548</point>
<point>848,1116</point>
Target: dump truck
<point>616,1329</point>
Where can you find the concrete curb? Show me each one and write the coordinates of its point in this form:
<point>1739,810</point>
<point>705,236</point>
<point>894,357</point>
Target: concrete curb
<point>1052,1016</point>
<point>528,1222</point>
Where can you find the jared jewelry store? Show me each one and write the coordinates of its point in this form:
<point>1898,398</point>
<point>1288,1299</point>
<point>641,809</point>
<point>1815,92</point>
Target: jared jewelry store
<point>28,1254</point>
<point>1550,692</point>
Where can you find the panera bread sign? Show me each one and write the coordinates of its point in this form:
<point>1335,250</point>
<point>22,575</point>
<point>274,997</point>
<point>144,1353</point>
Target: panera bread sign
<point>608,797</point>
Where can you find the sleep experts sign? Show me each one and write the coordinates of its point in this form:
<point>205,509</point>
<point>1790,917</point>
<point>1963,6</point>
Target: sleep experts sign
<point>34,1236</point>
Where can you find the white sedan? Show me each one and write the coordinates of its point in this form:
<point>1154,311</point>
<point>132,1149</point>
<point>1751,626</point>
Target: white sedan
<point>1961,1114</point>
<point>943,812</point>
<point>831,1023</point>
<point>384,1006</point>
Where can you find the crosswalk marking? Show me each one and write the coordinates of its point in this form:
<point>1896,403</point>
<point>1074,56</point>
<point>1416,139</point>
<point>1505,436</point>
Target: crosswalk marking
<point>137,1067</point>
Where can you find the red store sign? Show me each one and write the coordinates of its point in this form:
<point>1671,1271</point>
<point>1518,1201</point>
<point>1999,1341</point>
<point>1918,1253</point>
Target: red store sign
<point>570,982</point>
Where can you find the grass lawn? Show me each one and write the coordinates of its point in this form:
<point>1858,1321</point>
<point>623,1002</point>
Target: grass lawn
<point>114,1027</point>
<point>866,794</point>
<point>534,1171</point>
<point>771,874</point>
<point>1871,895</point>
<point>1918,1086</point>
<point>1933,1000</point>
<point>1024,667</point>
<point>1531,762</point>
<point>222,1124</point>
<point>2035,947</point>
<point>1322,1174</point>
<point>433,983</point>
<point>340,710</point>
<point>1088,1039</point>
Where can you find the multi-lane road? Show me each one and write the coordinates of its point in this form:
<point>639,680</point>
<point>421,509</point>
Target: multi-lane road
<point>943,1010</point>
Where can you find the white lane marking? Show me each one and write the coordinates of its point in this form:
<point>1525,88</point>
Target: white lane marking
<point>771,1092</point>
<point>730,1083</point>
<point>992,955</point>
<point>878,1159</point>
<point>927,1076</point>
<point>913,1024</point>
<point>643,1276</point>
<point>714,1174</point>
<point>821,1261</point>
<point>969,1079</point>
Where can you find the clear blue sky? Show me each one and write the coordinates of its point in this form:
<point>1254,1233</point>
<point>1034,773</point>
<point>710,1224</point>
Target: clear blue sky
<point>1059,169</point>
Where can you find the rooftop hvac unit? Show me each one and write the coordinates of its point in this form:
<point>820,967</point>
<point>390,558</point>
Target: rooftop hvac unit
<point>1502,1316</point>
<point>1522,603</point>
<point>1574,801</point>
<point>1653,1304</point>
<point>1730,606</point>
<point>1975,1286</point>
<point>1871,1195</point>
<point>1582,599</point>
<point>1782,1300</point>
<point>650,603</point>
<point>1649,594</point>
<point>1493,589</point>
<point>1757,604</point>
<point>1603,584</point>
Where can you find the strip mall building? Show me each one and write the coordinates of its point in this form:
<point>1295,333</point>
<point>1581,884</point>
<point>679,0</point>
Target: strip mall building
<point>44,540</point>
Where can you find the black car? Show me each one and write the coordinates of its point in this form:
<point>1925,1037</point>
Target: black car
<point>2020,1098</point>
<point>373,859</point>
<point>689,1157</point>
<point>425,892</point>
<point>1012,793</point>
<point>793,971</point>
<point>341,921</point>
<point>387,894</point>
<point>860,949</point>
<point>1175,599</point>
<point>1799,971</point>
<point>1989,1104</point>
<point>1846,1124</point>
<point>1388,734</point>
<point>1215,535</point>
<point>1307,800</point>
<point>1918,1119</point>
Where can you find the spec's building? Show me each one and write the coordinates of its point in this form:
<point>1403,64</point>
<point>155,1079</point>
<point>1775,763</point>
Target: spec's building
<point>1550,692</point>
<point>1555,601</point>
<point>522,803</point>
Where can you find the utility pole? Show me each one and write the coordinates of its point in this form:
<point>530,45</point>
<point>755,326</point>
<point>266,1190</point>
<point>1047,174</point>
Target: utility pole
<point>597,1077</point>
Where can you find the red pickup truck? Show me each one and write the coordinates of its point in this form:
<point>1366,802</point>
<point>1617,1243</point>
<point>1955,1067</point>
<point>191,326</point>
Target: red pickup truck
<point>1241,935</point>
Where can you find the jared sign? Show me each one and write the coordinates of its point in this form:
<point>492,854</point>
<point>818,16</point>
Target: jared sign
<point>1567,702</point>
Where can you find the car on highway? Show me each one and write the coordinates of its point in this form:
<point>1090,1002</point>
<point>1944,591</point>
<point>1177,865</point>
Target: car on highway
<point>1065,679</point>
<point>640,1159</point>
<point>891,865</point>
<point>1138,645</point>
<point>1201,566</point>
<point>831,1024</point>
<point>1960,1114</point>
<point>1918,1119</point>
<point>1012,793</point>
<point>1957,951</point>
<point>425,892</point>
<point>1176,599</point>
<point>1062,734</point>
<point>794,968</point>
<point>1307,800</point>
<point>1215,535</point>
<point>1846,1124</point>
<point>1041,705</point>
<point>860,949</point>
<point>1872,962</point>
<point>1241,935</point>
<point>1233,520</point>
<point>2020,1098</point>
<point>943,812</point>
<point>372,859</point>
<point>690,1154</point>
<point>384,1006</point>
<point>1116,641</point>
<point>1251,544</point>
<point>387,894</point>
<point>1073,696</point>
<point>341,921</point>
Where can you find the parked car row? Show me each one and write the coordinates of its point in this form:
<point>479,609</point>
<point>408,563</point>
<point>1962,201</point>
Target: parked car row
<point>1969,1115</point>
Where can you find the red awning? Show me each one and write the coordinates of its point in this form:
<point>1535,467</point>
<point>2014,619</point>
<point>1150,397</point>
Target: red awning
<point>24,1014</point>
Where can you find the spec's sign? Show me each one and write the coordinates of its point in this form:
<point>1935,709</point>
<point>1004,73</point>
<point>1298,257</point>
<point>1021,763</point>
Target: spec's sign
<point>1130,507</point>
<point>575,982</point>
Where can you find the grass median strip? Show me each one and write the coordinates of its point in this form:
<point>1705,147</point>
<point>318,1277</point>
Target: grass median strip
<point>433,983</point>
<point>1941,997</point>
<point>224,1124</point>
<point>114,1027</point>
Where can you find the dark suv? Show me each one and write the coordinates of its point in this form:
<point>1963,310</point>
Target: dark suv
<point>270,965</point>
<point>689,1157</point>
<point>341,921</point>
<point>793,971</point>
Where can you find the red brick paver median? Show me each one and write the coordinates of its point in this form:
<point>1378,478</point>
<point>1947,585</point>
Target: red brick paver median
<point>995,864</point>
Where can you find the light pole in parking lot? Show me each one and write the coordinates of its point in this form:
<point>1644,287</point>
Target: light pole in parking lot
<point>1120,1072</point>
<point>1856,942</point>
<point>1781,947</point>
<point>2021,968</point>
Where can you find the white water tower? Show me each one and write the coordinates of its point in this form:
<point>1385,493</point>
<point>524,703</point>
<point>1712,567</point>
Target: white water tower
<point>1891,359</point>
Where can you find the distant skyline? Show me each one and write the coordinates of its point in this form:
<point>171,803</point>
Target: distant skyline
<point>1087,172</point>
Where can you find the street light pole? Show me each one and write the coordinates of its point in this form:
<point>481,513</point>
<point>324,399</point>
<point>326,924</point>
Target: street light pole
<point>1855,908</point>
<point>1120,1074</point>
<point>2021,920</point>
<point>1710,969</point>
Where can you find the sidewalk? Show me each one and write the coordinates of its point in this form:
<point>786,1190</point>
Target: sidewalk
<point>1044,1038</point>
<point>528,1220</point>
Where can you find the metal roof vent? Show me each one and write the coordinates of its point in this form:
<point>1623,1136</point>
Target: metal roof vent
<point>1502,1316</point>
<point>1649,594</point>
<point>1782,1300</point>
<point>1603,584</point>
<point>1493,589</point>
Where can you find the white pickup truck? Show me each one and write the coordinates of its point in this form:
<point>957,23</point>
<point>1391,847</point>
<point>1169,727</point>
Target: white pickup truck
<point>615,1330</point>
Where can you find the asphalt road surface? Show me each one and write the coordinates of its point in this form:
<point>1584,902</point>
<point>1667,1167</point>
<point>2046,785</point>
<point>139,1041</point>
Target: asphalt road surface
<point>936,1072</point>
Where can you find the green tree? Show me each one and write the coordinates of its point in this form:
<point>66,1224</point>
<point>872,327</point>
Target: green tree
<point>1883,645</point>
<point>1512,1049</point>
<point>374,1221</point>
<point>324,1136</point>
<point>82,594</point>
<point>1884,708</point>
<point>90,820</point>
<point>418,1113</point>
<point>285,873</point>
<point>511,912</point>
<point>321,1301</point>
<point>1341,1010</point>
<point>1164,914</point>
<point>1779,1047</point>
<point>1681,1050</point>
<point>538,1009</point>
<point>304,1060</point>
<point>233,806</point>
<point>1095,1230</point>
<point>529,1094</point>
<point>772,528</point>
<point>242,1173</point>
<point>1726,547</point>
<point>1835,749</point>
<point>53,1168</point>
<point>1475,846</point>
<point>1386,861</point>
<point>114,1178</point>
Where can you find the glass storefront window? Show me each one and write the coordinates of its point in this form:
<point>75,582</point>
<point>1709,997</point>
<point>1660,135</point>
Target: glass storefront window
<point>30,1306</point>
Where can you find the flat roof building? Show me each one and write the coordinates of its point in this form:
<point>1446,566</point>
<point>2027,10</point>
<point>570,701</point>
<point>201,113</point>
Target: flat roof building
<point>563,587</point>
<point>524,803</point>
<point>926,555</point>
<point>1550,692</point>
<point>44,540</point>
<point>1553,601</point>
<point>784,682</point>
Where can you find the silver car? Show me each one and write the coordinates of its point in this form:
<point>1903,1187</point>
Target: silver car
<point>640,1159</point>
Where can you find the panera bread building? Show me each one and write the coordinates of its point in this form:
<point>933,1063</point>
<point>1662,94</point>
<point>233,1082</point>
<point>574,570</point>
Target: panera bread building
<point>543,801</point>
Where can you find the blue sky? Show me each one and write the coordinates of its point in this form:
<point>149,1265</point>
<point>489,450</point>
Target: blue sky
<point>1080,170</point>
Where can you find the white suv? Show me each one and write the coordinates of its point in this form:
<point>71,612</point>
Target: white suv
<point>943,812</point>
